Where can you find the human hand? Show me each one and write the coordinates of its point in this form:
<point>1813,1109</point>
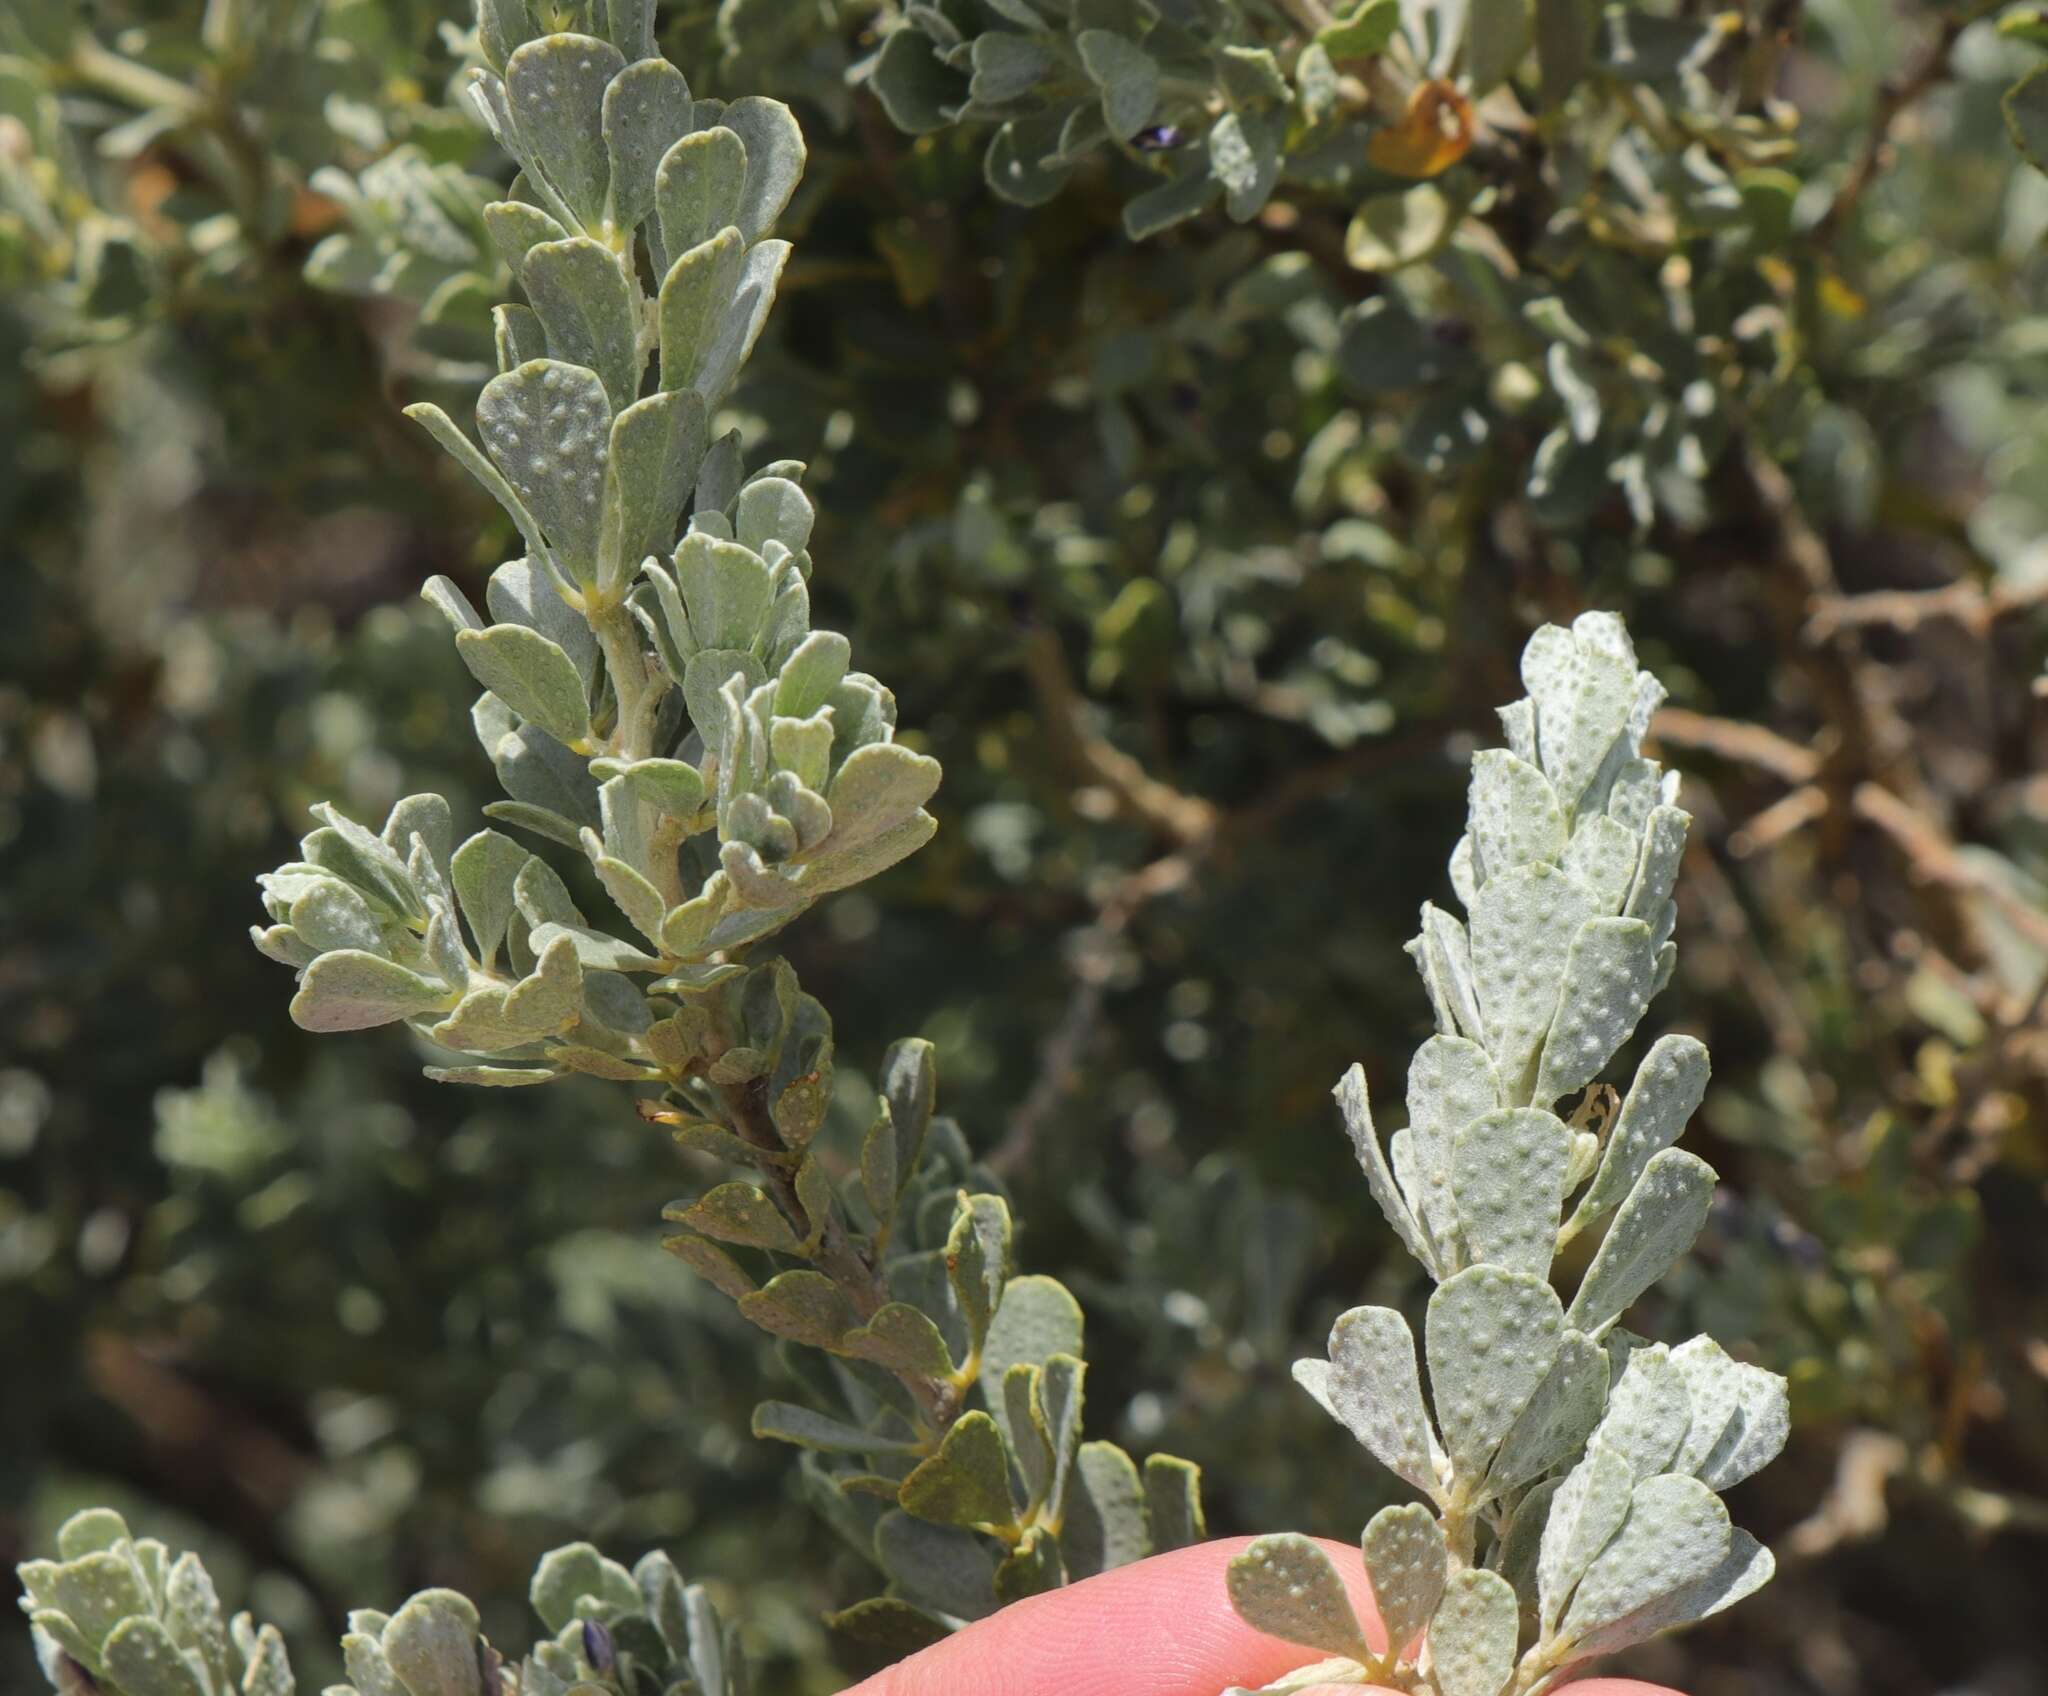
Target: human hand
<point>1161,1627</point>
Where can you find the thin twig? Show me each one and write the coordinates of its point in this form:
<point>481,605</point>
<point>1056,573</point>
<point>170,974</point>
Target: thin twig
<point>1970,605</point>
<point>1935,859</point>
<point>1745,744</point>
<point>1894,97</point>
<point>1181,819</point>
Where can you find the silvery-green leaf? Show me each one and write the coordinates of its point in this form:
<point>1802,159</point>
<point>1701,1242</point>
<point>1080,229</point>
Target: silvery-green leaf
<point>1582,701</point>
<point>1105,1525</point>
<point>1507,1178</point>
<point>444,430</point>
<point>484,871</point>
<point>1602,855</point>
<point>1633,793</point>
<point>521,592</point>
<point>1244,155</point>
<point>673,787</point>
<point>514,227</point>
<point>740,1214</point>
<point>1173,1502</point>
<point>547,426</point>
<point>804,1306</point>
<point>1676,1533</point>
<point>331,915</point>
<point>431,1644</point>
<point>978,1268</point>
<point>646,107</point>
<point>1514,813</point>
<point>1658,1222</point>
<point>727,590</point>
<point>903,1339</point>
<point>1126,74</point>
<point>563,1578</point>
<point>695,295</point>
<point>1180,197</point>
<point>810,674</point>
<point>142,1660</point>
<point>1739,1415</point>
<point>656,447</point>
<point>268,1671</point>
<point>1036,1318</point>
<point>1746,1568</point>
<point>531,675</point>
<point>1356,1107</point>
<point>773,509</point>
<point>1521,1546</point>
<point>1472,1638</point>
<point>1648,1413</point>
<point>1443,954</point>
<point>1056,1403</point>
<point>914,85</point>
<point>698,187</point>
<point>740,322</point>
<point>363,859</point>
<point>1006,66</point>
<point>1608,977</point>
<point>1285,1586</point>
<point>1491,1337</point>
<point>349,990</point>
<point>783,1422</point>
<point>1587,1511</point>
<point>362,1656</point>
<point>588,309</point>
<point>1372,1387</point>
<point>1559,1418</point>
<point>630,26</point>
<point>1451,1082</point>
<point>909,1085</point>
<point>427,817</point>
<point>501,25</point>
<point>555,89</point>
<point>967,1483</point>
<point>1464,872</point>
<point>594,950</point>
<point>775,160</point>
<point>491,1077</point>
<point>1667,1090</point>
<point>942,1566</point>
<point>1523,924</point>
<point>542,897</point>
<point>1406,1561</point>
<point>1023,163</point>
<point>878,788</point>
<point>1663,849</point>
<point>451,603</point>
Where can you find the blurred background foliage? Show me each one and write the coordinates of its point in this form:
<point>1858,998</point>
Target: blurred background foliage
<point>1201,604</point>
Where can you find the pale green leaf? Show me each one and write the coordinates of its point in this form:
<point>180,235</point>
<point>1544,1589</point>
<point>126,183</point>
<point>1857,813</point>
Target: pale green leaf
<point>353,991</point>
<point>1657,1224</point>
<point>1491,1337</point>
<point>1508,1180</point>
<point>1608,980</point>
<point>1285,1586</point>
<point>1406,1560</point>
<point>1472,1637</point>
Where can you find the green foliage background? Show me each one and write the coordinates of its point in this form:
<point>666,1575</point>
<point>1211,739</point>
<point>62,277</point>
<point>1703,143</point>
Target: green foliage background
<point>1200,624</point>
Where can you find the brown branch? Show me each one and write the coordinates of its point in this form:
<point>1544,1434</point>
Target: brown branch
<point>1936,860</point>
<point>1784,817</point>
<point>1066,1046</point>
<point>1181,819</point>
<point>1970,605</point>
<point>1894,98</point>
<point>1745,744</point>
